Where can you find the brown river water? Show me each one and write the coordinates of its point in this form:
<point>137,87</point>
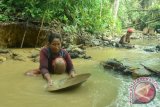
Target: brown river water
<point>102,89</point>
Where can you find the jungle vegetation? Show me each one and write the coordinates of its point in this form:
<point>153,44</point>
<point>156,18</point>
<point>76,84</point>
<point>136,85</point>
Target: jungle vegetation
<point>90,15</point>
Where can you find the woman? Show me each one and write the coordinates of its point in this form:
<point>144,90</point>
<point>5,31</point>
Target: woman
<point>53,59</point>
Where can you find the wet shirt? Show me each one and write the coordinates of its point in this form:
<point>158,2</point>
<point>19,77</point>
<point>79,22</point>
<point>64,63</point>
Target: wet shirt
<point>124,39</point>
<point>46,58</point>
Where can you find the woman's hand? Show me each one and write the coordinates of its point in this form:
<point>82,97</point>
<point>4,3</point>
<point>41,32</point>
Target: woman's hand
<point>50,83</point>
<point>72,74</point>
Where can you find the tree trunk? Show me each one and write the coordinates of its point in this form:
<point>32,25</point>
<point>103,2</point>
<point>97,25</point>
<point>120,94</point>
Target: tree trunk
<point>24,35</point>
<point>115,9</point>
<point>100,9</point>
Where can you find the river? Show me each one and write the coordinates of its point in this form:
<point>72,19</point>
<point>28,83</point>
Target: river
<point>103,89</point>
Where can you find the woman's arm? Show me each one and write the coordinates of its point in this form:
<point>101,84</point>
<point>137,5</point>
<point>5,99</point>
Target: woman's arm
<point>69,65</point>
<point>44,66</point>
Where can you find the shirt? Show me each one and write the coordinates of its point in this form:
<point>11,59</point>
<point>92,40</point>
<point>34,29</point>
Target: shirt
<point>124,39</point>
<point>46,58</point>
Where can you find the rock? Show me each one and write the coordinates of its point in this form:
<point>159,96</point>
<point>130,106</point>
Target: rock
<point>151,32</point>
<point>2,59</point>
<point>14,54</point>
<point>145,31</point>
<point>118,45</point>
<point>74,51</point>
<point>34,55</point>
<point>4,51</point>
<point>81,46</point>
<point>149,50</point>
<point>149,68</point>
<point>128,46</point>
<point>117,66</point>
<point>158,47</point>
<point>74,55</point>
<point>152,65</point>
<point>158,30</point>
<point>105,38</point>
<point>114,44</point>
<point>125,69</point>
<point>38,49</point>
<point>106,43</point>
<point>96,42</point>
<point>36,59</point>
<point>135,37</point>
<point>18,57</point>
<point>114,63</point>
<point>78,50</point>
<point>86,57</point>
<point>128,70</point>
<point>141,72</point>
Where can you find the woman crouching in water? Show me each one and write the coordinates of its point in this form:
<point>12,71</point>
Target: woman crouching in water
<point>53,60</point>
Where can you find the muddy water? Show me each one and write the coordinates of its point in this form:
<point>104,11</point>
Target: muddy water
<point>146,42</point>
<point>102,89</point>
<point>18,90</point>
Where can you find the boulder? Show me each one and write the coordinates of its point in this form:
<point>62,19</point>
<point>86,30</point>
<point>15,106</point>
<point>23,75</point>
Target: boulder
<point>17,56</point>
<point>96,42</point>
<point>141,72</point>
<point>36,59</point>
<point>34,54</point>
<point>127,46</point>
<point>117,66</point>
<point>86,57</point>
<point>145,30</point>
<point>153,65</point>
<point>158,47</point>
<point>106,43</point>
<point>2,59</point>
<point>126,69</point>
<point>114,63</point>
<point>149,49</point>
<point>74,55</point>
<point>4,51</point>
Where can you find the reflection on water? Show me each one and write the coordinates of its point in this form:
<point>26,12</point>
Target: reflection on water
<point>102,89</point>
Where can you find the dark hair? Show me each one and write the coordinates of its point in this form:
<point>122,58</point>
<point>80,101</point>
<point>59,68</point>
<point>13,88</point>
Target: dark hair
<point>52,36</point>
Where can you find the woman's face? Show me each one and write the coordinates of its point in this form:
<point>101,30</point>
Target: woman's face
<point>55,45</point>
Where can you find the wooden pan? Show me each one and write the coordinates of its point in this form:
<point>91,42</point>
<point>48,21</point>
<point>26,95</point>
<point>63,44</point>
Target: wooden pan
<point>69,82</point>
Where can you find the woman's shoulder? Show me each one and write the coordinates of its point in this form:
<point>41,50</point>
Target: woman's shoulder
<point>64,50</point>
<point>44,49</point>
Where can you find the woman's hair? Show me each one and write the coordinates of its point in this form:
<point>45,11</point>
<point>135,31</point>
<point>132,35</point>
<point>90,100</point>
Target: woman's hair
<point>52,36</point>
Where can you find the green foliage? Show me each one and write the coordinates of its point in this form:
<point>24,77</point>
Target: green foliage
<point>76,14</point>
<point>91,15</point>
<point>70,29</point>
<point>139,13</point>
<point>3,17</point>
<point>151,17</point>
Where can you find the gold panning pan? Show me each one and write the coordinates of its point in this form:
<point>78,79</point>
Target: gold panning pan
<point>69,82</point>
